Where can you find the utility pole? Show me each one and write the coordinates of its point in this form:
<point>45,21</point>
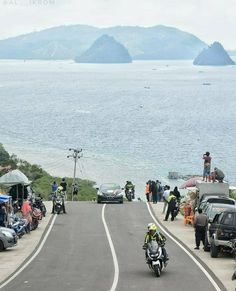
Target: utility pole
<point>75,155</point>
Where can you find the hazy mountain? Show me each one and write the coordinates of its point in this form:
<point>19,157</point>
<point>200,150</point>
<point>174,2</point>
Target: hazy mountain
<point>67,42</point>
<point>105,50</point>
<point>214,55</point>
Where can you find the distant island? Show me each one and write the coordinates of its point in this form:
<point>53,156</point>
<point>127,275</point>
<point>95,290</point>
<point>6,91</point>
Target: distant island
<point>214,55</point>
<point>67,42</point>
<point>105,50</point>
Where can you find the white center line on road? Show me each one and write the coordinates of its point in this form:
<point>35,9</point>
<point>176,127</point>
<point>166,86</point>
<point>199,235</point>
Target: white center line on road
<point>113,252</point>
<point>213,282</point>
<point>33,256</point>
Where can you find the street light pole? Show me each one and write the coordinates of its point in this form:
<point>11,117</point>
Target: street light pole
<point>75,155</point>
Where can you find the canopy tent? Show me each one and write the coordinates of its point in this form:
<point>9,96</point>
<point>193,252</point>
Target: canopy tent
<point>17,181</point>
<point>14,177</point>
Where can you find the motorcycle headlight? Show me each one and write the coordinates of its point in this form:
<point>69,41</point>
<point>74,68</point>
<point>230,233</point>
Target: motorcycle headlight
<point>7,234</point>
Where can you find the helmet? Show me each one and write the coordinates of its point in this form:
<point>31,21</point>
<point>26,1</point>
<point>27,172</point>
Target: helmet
<point>59,189</point>
<point>152,226</point>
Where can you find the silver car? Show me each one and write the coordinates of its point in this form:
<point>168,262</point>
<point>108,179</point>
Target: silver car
<point>110,192</point>
<point>8,238</point>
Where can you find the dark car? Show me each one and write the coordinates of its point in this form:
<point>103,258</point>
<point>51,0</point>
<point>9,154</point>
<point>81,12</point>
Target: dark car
<point>215,199</point>
<point>214,208</point>
<point>221,231</point>
<point>110,192</point>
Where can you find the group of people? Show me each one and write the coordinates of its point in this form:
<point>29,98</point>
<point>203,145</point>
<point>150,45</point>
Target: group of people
<point>208,176</point>
<point>153,191</point>
<point>156,193</point>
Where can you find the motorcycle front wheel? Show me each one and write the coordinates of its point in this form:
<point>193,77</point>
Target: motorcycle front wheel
<point>157,270</point>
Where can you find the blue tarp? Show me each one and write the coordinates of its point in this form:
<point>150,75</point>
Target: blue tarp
<point>4,198</point>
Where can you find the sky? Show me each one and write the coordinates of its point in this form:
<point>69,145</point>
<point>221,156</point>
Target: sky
<point>210,20</point>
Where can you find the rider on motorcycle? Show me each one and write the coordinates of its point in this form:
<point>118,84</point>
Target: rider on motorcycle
<point>61,194</point>
<point>154,234</point>
<point>129,185</point>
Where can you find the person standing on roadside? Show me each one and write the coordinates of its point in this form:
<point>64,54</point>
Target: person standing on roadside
<point>207,167</point>
<point>159,189</point>
<point>176,193</point>
<point>63,184</point>
<point>147,191</point>
<point>200,224</point>
<point>171,206</point>
<point>54,187</point>
<point>165,198</point>
<point>154,192</point>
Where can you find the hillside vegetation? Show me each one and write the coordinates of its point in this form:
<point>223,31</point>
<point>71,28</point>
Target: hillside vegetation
<point>41,180</point>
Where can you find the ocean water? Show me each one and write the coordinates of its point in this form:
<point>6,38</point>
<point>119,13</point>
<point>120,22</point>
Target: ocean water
<point>133,121</point>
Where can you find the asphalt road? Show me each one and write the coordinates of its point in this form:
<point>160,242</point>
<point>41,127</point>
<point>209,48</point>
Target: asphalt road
<point>77,255</point>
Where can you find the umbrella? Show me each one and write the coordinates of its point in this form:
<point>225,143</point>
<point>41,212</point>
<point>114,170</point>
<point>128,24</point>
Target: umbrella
<point>190,182</point>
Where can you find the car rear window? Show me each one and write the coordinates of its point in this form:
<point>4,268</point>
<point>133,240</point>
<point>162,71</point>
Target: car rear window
<point>228,219</point>
<point>110,187</point>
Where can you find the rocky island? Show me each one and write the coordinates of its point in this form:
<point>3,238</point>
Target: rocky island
<point>105,50</point>
<point>214,55</point>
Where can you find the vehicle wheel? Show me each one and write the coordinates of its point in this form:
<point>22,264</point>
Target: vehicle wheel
<point>121,201</point>
<point>214,250</point>
<point>98,201</point>
<point>206,245</point>
<point>157,271</point>
<point>1,246</point>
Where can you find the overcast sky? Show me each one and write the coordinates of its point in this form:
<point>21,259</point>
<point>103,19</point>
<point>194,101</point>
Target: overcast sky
<point>210,20</point>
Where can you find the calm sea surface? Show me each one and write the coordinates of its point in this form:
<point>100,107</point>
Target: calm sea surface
<point>133,121</point>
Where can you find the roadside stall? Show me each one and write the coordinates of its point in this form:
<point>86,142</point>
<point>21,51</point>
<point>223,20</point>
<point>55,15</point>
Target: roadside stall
<point>17,183</point>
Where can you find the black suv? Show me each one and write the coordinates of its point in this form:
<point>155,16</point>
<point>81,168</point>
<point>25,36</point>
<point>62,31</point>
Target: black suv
<point>221,231</point>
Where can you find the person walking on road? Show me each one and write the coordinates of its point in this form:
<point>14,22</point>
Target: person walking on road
<point>200,225</point>
<point>171,206</point>
<point>165,198</point>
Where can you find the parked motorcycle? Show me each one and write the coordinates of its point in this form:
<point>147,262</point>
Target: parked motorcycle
<point>38,203</point>
<point>36,216</point>
<point>21,226</point>
<point>154,257</point>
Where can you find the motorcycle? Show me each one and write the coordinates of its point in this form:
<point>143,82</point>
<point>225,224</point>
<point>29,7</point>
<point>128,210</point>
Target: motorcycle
<point>38,203</point>
<point>176,210</point>
<point>58,204</point>
<point>130,194</point>
<point>21,226</point>
<point>154,257</point>
<point>36,216</point>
